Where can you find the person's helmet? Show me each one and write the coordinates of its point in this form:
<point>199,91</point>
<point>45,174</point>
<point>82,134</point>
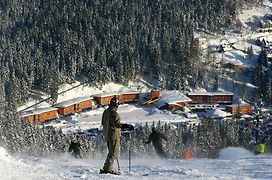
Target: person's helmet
<point>114,102</point>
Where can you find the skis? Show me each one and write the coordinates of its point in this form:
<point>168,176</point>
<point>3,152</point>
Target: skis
<point>111,172</point>
<point>134,174</point>
<point>126,174</point>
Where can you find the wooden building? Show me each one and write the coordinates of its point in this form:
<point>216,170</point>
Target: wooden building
<point>127,97</point>
<point>150,97</point>
<point>66,107</point>
<point>210,97</point>
<point>74,105</point>
<point>40,115</point>
<point>85,102</point>
<point>28,116</point>
<point>154,94</point>
<point>104,99</point>
<point>238,108</point>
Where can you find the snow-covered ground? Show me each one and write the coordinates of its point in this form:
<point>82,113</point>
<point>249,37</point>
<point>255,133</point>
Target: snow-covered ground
<point>235,45</point>
<point>249,16</point>
<point>234,163</point>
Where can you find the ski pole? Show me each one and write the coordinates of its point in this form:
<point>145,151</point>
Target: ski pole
<point>129,160</point>
<point>129,155</point>
<point>118,165</point>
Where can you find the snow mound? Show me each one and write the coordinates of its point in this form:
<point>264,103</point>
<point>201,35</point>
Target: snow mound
<point>232,153</point>
<point>217,113</point>
<point>4,156</point>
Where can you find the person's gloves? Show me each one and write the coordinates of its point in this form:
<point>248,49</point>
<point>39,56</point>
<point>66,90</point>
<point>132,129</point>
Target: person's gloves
<point>131,127</point>
<point>127,127</point>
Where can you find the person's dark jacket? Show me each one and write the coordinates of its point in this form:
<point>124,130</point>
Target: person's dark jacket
<point>74,149</point>
<point>112,125</point>
<point>156,138</point>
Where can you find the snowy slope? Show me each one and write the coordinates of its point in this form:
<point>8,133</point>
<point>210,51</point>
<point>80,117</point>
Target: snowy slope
<point>235,46</point>
<point>250,16</point>
<point>234,163</point>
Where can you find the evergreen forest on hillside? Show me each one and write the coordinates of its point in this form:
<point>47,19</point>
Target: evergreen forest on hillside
<point>47,43</point>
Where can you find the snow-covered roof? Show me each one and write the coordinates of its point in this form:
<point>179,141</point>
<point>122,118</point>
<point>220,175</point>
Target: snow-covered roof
<point>234,57</point>
<point>246,116</point>
<point>266,38</point>
<point>214,113</point>
<point>269,55</point>
<point>83,98</point>
<point>106,94</point>
<point>72,101</point>
<point>131,92</point>
<point>236,105</point>
<point>37,111</point>
<point>209,93</point>
<point>171,97</point>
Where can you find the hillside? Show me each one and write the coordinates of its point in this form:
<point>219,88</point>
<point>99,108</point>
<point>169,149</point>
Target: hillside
<point>231,58</point>
<point>232,67</point>
<point>230,70</point>
<point>45,45</point>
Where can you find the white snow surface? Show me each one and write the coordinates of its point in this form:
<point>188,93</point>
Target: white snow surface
<point>234,163</point>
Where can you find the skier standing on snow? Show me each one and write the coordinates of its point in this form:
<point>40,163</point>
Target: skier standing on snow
<point>112,133</point>
<point>156,138</point>
<point>187,154</point>
<point>260,147</point>
<point>74,148</point>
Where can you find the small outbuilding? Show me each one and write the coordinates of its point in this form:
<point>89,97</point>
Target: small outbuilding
<point>150,97</point>
<point>74,105</point>
<point>239,108</point>
<point>40,115</point>
<point>211,97</point>
<point>127,97</point>
<point>104,98</point>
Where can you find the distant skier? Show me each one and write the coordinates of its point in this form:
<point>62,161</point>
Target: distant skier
<point>74,148</point>
<point>187,154</point>
<point>156,138</point>
<point>260,147</point>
